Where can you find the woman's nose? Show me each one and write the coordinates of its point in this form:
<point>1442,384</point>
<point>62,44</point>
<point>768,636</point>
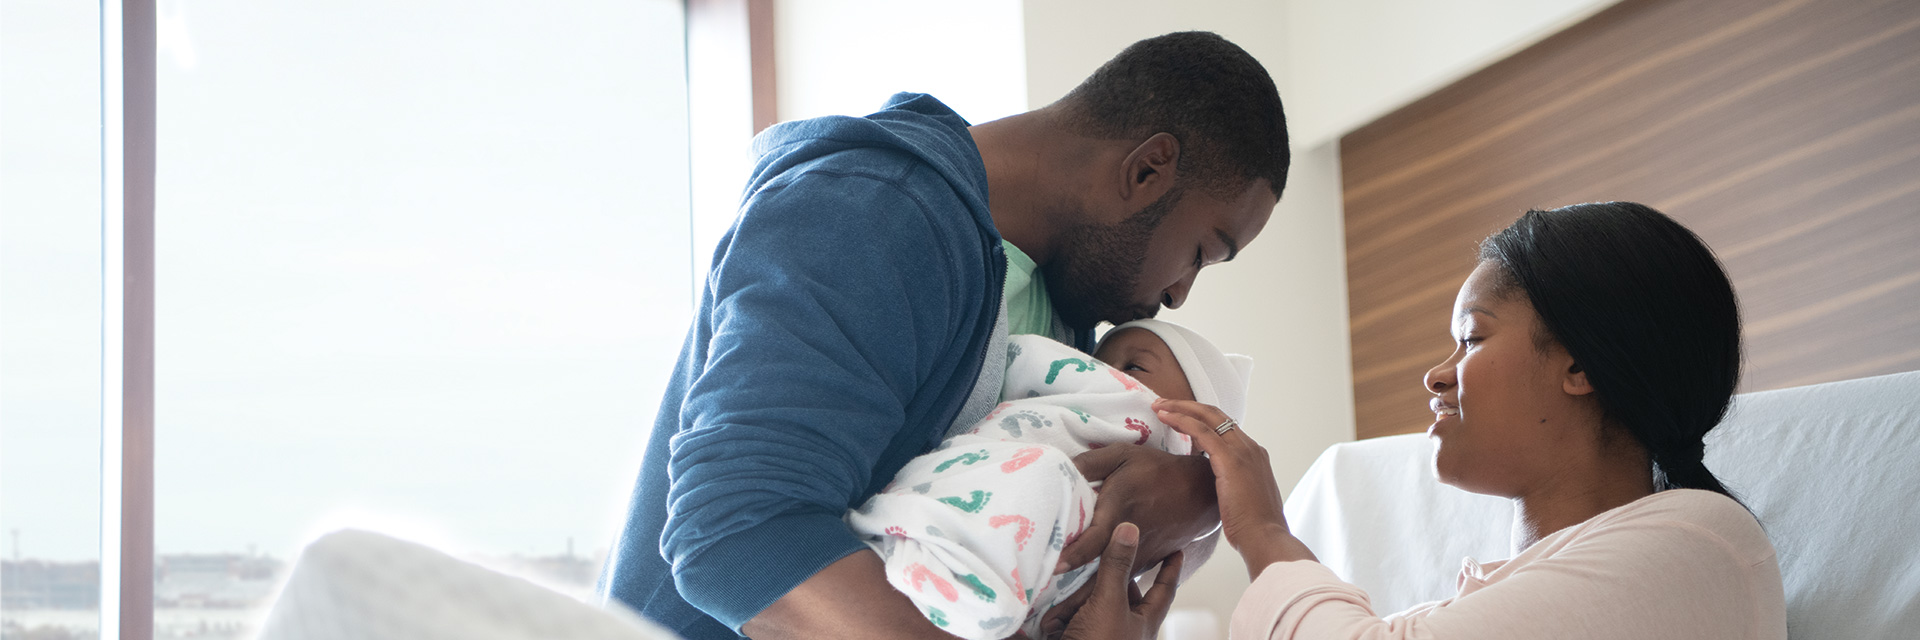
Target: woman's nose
<point>1440,378</point>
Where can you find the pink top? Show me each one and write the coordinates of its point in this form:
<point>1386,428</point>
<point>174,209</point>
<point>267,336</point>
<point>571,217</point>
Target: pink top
<point>1676,564</point>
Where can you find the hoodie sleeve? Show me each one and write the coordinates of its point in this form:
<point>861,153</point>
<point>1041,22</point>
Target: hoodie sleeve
<point>828,298</point>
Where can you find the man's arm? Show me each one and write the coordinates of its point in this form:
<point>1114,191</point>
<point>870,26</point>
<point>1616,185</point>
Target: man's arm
<point>827,314</point>
<point>849,599</point>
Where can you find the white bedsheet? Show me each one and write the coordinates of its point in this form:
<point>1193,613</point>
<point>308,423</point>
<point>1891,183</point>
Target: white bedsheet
<point>1832,471</point>
<point>1372,511</point>
<point>359,585</point>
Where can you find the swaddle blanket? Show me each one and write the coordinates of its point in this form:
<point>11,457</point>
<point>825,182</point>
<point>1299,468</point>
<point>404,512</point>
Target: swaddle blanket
<point>971,532</point>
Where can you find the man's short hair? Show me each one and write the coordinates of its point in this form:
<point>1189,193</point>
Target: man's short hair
<point>1207,92</point>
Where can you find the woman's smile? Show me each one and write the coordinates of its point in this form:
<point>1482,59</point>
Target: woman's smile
<point>1442,410</point>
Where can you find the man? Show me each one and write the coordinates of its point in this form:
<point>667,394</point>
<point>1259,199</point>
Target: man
<point>859,308</point>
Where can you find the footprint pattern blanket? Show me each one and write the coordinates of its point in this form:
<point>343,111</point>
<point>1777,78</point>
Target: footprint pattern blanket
<point>971,531</point>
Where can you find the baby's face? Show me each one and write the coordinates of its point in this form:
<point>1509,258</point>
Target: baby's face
<point>1144,356</point>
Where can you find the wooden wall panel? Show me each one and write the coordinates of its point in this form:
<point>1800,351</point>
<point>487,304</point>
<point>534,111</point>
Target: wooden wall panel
<point>1785,132</point>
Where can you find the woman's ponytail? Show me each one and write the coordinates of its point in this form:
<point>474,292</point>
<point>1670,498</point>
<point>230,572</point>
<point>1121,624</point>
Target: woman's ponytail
<point>1685,469</point>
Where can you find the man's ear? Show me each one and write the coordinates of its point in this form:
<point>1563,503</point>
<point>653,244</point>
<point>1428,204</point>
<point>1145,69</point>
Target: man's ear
<point>1150,169</point>
<point>1575,382</point>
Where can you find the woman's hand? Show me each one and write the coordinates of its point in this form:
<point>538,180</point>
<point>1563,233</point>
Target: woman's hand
<point>1250,510</point>
<point>1117,610</point>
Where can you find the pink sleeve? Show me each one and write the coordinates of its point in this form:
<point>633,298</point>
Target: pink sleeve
<point>1637,580</point>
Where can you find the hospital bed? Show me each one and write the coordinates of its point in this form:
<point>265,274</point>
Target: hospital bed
<point>1831,470</point>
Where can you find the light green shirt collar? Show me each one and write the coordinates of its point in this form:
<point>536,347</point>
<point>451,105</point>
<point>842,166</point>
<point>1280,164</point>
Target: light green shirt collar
<point>1029,310</point>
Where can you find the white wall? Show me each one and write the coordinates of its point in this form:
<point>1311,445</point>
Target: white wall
<point>1067,39</point>
<point>1352,61</point>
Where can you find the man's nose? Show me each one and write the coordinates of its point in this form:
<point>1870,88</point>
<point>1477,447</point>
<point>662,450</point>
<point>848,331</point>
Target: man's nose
<point>1176,295</point>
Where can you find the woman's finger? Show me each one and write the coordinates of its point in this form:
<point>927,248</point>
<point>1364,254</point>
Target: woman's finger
<point>1204,437</point>
<point>1199,421</point>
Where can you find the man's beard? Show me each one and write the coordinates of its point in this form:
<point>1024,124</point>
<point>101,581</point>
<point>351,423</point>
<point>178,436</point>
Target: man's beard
<point>1098,267</point>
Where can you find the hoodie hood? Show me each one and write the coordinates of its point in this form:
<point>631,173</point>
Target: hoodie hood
<point>913,123</point>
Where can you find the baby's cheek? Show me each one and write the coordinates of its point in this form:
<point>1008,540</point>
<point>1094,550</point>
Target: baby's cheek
<point>1173,388</point>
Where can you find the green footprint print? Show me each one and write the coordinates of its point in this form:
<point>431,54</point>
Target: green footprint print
<point>965,458</point>
<point>978,501</point>
<point>979,588</point>
<point>1079,365</point>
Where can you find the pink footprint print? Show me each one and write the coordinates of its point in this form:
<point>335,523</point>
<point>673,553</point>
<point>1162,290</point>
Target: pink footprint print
<point>1126,380</point>
<point>1021,534</point>
<point>919,573</point>
<point>1021,459</point>
<point>1136,425</point>
<point>1079,528</point>
<point>897,532</point>
<point>1018,593</point>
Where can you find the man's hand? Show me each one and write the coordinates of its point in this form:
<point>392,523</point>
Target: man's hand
<point>1117,610</point>
<point>1170,497</point>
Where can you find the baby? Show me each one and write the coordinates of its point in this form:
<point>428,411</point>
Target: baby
<point>972,531</point>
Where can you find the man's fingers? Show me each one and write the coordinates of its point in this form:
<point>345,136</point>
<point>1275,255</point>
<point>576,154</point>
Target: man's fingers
<point>1099,463</point>
<point>1064,610</point>
<point>1116,565</point>
<point>1159,598</point>
<point>1085,548</point>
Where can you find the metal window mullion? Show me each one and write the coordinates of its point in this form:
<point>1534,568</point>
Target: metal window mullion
<point>127,120</point>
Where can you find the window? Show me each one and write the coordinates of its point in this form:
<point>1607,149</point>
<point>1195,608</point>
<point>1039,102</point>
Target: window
<point>50,318</point>
<point>421,268</point>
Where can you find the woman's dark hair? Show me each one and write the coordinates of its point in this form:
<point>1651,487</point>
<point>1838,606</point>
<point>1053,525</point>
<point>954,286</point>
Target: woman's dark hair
<point>1645,310</point>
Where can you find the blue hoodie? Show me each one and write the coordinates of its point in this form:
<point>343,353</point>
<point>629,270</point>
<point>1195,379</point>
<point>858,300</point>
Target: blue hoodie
<point>852,314</point>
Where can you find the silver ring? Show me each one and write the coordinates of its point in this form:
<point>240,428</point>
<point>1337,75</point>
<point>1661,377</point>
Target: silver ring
<point>1224,427</point>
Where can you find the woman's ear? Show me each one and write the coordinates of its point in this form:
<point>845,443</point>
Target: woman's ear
<point>1575,382</point>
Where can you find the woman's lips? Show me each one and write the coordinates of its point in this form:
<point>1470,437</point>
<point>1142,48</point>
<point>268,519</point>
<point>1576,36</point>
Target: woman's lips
<point>1441,411</point>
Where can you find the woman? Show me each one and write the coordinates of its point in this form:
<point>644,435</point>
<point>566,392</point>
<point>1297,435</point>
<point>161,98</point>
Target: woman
<point>1595,346</point>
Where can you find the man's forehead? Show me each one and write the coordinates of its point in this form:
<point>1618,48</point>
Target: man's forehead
<point>1247,214</point>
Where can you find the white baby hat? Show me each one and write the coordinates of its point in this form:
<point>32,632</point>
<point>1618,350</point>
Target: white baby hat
<point>1218,379</point>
